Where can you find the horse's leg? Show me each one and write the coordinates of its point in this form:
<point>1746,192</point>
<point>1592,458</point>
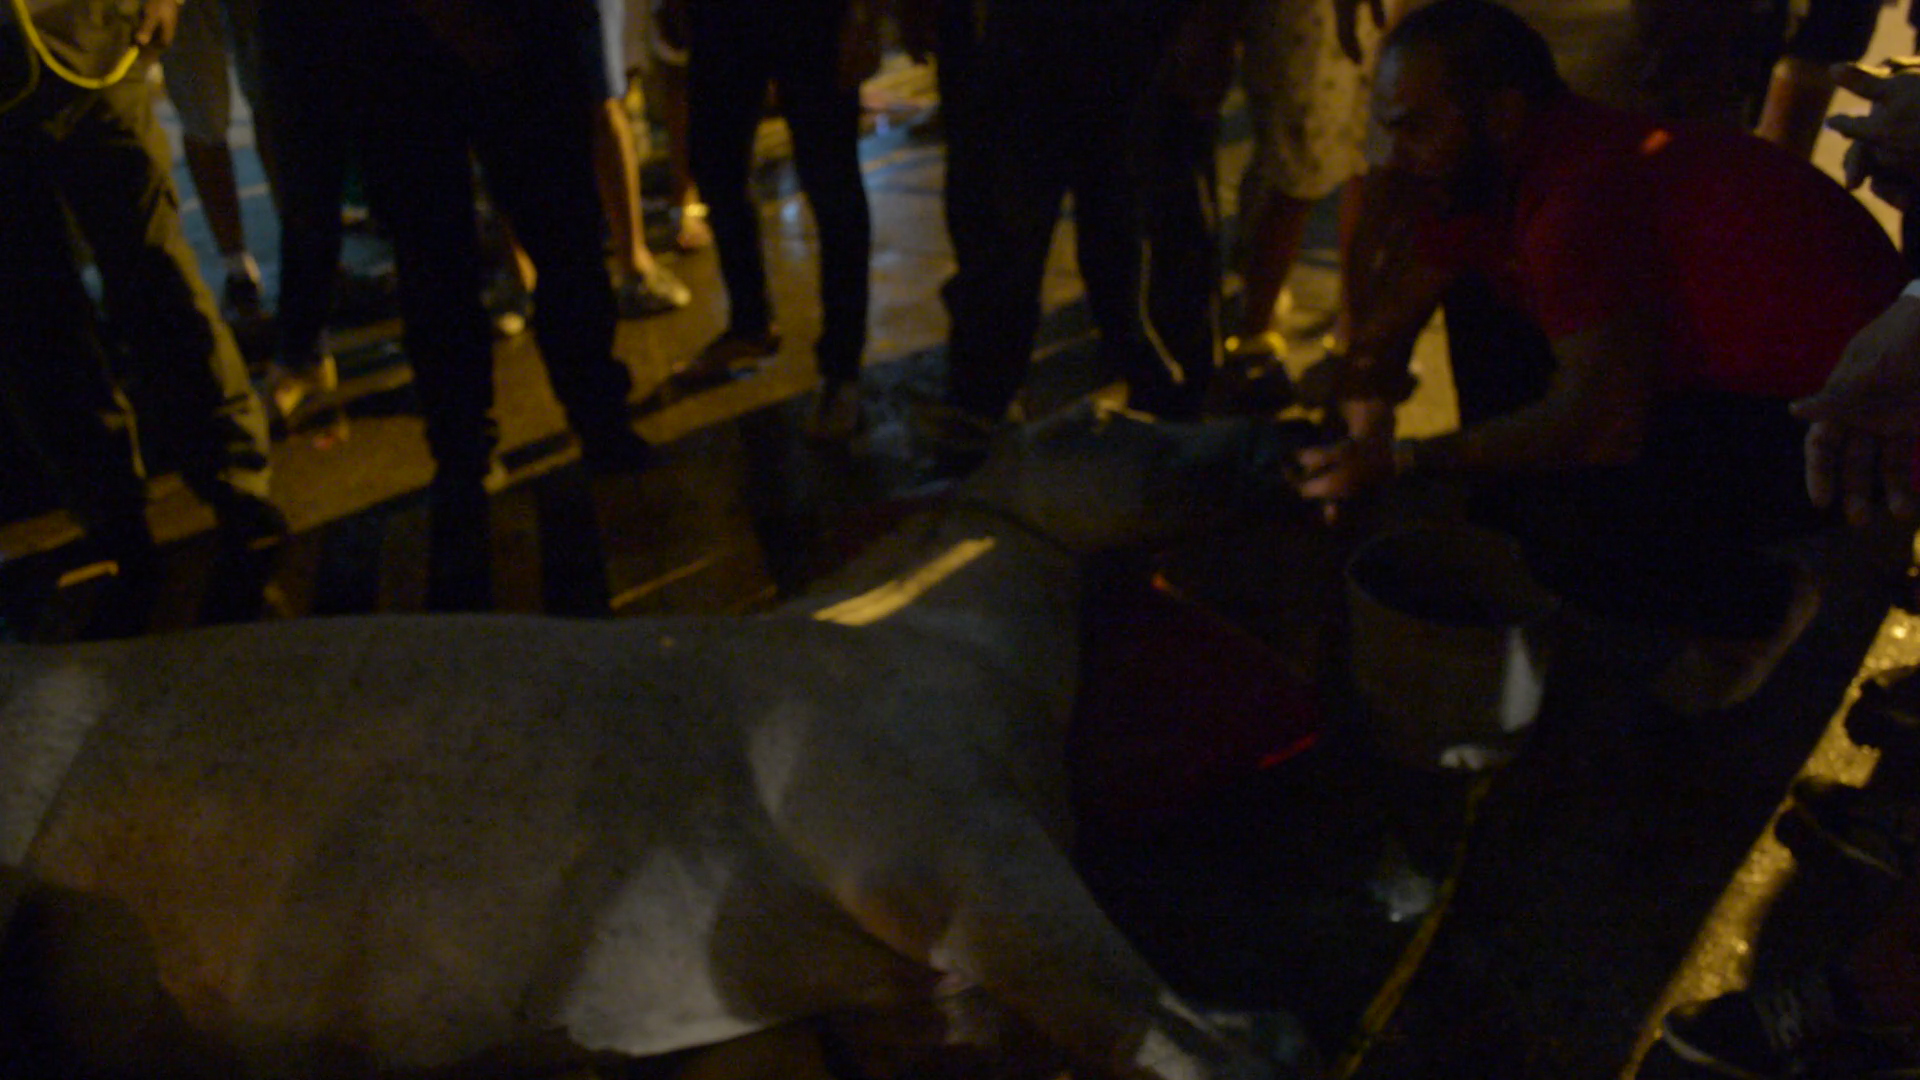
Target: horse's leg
<point>997,903</point>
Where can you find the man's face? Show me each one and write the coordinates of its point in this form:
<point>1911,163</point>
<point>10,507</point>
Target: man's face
<point>1430,132</point>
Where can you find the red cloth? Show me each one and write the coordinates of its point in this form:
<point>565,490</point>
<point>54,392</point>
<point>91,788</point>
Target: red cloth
<point>1760,265</point>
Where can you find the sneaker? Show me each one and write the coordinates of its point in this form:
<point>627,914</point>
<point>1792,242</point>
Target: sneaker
<point>296,390</point>
<point>716,363</point>
<point>1712,673</point>
<point>1789,1030</point>
<point>240,298</point>
<point>835,415</point>
<point>652,294</point>
<point>691,231</point>
<point>1253,380</point>
<point>1867,827</point>
<point>509,306</point>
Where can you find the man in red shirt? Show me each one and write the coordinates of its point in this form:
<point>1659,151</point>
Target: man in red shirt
<point>1630,306</point>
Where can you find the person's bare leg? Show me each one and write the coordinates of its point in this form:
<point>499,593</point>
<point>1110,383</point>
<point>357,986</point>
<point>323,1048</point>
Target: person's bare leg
<point>1796,106</point>
<point>616,167</point>
<point>211,166</point>
<point>694,231</point>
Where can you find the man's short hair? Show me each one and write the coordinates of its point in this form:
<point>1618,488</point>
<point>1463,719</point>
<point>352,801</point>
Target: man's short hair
<point>1486,47</point>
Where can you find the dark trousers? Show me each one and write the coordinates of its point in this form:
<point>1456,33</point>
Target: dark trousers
<point>419,117</point>
<point>1040,104</point>
<point>306,121</point>
<point>98,160</point>
<point>1680,537</point>
<point>736,48</point>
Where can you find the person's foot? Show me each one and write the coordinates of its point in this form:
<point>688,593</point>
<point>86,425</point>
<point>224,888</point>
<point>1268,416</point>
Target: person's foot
<point>297,390</point>
<point>717,363</point>
<point>240,298</point>
<point>835,413</point>
<point>1795,1029</point>
<point>1871,828</point>
<point>509,307</point>
<point>655,293</point>
<point>691,232</point>
<point>1714,673</point>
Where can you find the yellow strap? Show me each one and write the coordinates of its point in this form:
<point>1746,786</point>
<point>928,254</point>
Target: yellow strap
<point>878,603</point>
<point>53,64</point>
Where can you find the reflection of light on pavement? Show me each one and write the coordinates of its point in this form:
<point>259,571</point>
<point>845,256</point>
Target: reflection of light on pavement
<point>1720,959</point>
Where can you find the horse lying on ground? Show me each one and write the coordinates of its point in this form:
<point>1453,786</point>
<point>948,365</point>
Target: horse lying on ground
<point>404,843</point>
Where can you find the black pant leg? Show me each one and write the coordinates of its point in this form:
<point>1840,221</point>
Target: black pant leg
<point>824,118</point>
<point>410,107</point>
<point>305,113</point>
<point>1009,132</point>
<point>535,141</point>
<point>728,70</point>
<point>112,168</point>
<point>54,376</point>
<point>1680,537</point>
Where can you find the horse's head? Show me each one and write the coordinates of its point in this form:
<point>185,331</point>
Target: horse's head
<point>1095,477</point>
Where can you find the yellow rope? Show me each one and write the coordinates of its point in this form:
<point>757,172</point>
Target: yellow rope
<point>40,52</point>
<point>1374,1021</point>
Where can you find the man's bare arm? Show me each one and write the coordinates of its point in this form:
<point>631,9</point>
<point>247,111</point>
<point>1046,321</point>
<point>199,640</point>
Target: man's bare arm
<point>1594,412</point>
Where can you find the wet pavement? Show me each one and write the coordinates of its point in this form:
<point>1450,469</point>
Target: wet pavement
<point>1619,863</point>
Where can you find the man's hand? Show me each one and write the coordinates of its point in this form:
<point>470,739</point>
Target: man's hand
<point>158,22</point>
<point>1362,461</point>
<point>1341,470</point>
<point>1886,148</point>
<point>1866,420</point>
<point>1346,21</point>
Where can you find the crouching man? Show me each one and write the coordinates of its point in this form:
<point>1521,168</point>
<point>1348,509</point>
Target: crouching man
<point>1631,306</point>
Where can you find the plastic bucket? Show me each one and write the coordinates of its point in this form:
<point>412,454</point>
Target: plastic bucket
<point>1447,634</point>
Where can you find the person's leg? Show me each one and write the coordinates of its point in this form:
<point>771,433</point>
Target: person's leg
<point>197,84</point>
<point>825,120</point>
<point>727,77</point>
<point>54,376</point>
<point>1109,228</point>
<point>1181,219</point>
<point>412,128</point>
<point>1833,32</point>
<point>303,115</point>
<point>1680,542</point>
<point>1003,203</point>
<point>534,138</point>
<point>115,177</point>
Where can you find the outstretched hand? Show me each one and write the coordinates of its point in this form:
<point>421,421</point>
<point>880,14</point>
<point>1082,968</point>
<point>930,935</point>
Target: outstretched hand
<point>1886,147</point>
<point>1346,21</point>
<point>1866,420</point>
